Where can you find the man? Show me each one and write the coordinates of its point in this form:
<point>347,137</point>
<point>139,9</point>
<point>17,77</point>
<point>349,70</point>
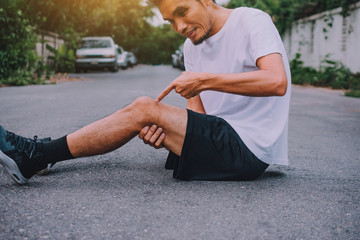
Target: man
<point>238,88</point>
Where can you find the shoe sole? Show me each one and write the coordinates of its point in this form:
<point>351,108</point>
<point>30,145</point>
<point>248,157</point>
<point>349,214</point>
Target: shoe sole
<point>12,168</point>
<point>45,170</point>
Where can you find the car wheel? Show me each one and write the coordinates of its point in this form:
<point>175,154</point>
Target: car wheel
<point>115,68</point>
<point>125,67</point>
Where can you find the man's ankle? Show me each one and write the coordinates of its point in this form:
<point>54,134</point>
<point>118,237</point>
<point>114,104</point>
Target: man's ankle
<point>57,150</point>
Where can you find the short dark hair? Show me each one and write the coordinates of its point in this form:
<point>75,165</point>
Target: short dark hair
<point>158,2</point>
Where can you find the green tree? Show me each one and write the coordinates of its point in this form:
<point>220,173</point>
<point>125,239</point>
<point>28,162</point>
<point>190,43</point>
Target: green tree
<point>17,44</point>
<point>122,20</point>
<point>284,12</point>
<point>159,44</point>
<point>125,21</point>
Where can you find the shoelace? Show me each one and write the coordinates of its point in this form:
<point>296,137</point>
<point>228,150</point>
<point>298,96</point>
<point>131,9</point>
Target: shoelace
<point>21,144</point>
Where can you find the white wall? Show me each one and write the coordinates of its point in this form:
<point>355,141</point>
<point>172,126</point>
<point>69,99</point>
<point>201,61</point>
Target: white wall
<point>51,39</point>
<point>341,42</point>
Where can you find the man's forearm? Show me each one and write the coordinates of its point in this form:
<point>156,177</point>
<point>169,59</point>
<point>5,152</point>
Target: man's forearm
<point>258,83</point>
<point>270,80</point>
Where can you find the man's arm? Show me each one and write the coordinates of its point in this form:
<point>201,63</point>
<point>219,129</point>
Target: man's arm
<point>269,80</point>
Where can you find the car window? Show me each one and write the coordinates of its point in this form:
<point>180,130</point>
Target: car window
<point>95,44</point>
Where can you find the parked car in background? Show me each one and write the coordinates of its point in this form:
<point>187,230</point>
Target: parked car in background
<point>99,52</point>
<point>178,58</point>
<point>96,52</point>
<point>122,60</point>
<point>132,59</point>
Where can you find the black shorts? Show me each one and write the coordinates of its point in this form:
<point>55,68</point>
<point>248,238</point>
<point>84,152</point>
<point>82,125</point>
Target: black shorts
<point>213,150</point>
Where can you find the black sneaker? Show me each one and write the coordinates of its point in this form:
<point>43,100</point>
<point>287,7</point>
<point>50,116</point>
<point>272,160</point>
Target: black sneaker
<point>50,165</point>
<point>45,170</point>
<point>21,157</point>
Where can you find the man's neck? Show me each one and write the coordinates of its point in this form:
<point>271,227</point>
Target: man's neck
<point>221,15</point>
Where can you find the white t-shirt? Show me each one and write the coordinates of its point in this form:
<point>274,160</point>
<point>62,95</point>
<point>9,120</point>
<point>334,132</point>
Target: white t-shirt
<point>261,122</point>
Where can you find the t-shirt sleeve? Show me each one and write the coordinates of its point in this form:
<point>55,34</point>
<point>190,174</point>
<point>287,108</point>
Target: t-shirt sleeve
<point>264,38</point>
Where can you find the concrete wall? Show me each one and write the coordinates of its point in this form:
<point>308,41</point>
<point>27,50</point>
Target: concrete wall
<point>51,39</point>
<point>314,38</point>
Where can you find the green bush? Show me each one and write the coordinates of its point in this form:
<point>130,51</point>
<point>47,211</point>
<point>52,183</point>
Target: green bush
<point>18,60</point>
<point>331,74</point>
<point>302,75</point>
<point>335,75</point>
<point>63,58</point>
<point>353,93</point>
<point>22,77</point>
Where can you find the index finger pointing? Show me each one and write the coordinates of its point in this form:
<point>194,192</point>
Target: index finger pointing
<point>165,92</point>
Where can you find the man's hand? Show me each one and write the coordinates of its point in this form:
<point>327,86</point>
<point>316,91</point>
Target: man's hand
<point>153,136</point>
<point>188,85</point>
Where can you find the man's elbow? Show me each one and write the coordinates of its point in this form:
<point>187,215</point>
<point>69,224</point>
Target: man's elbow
<point>281,86</point>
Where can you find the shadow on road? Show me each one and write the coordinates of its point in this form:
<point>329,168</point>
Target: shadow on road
<point>272,175</point>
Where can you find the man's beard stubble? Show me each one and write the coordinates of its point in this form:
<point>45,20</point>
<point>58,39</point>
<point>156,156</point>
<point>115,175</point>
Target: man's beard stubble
<point>203,38</point>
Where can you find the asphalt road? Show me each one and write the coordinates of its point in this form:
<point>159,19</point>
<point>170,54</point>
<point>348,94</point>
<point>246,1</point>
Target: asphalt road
<point>127,194</point>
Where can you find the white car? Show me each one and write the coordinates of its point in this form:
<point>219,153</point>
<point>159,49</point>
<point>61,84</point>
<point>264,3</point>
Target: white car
<point>122,60</point>
<point>99,52</point>
<point>131,59</point>
<point>178,58</point>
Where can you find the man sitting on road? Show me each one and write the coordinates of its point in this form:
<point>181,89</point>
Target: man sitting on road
<point>237,83</point>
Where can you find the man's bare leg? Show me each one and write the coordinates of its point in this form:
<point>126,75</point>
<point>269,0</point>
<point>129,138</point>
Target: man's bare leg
<point>23,157</point>
<point>117,129</point>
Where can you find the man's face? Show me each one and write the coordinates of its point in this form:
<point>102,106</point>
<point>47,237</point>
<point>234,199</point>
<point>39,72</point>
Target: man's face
<point>190,18</point>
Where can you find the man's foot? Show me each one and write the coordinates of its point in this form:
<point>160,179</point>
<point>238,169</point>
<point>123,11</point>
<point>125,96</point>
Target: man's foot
<point>21,157</point>
<point>50,165</point>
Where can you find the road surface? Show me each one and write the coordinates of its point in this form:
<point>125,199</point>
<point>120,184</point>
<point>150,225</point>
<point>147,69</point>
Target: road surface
<point>127,194</point>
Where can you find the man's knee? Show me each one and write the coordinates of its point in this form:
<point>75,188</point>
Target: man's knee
<point>143,103</point>
<point>143,108</point>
